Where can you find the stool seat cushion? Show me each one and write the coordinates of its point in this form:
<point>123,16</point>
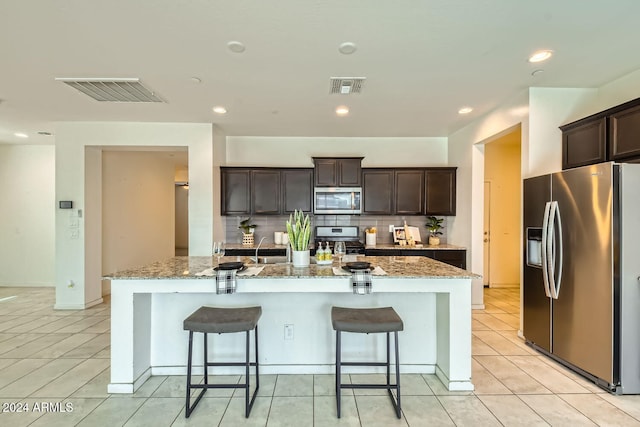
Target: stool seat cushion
<point>366,320</point>
<point>223,320</point>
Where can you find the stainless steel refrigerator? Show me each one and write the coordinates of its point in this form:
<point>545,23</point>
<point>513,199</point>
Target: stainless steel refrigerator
<point>581,289</point>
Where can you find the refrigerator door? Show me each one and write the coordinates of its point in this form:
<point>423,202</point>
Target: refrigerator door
<point>536,304</point>
<point>582,327</point>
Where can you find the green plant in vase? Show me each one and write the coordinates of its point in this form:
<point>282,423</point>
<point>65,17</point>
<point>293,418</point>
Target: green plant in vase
<point>434,225</point>
<point>299,230</point>
<point>247,232</point>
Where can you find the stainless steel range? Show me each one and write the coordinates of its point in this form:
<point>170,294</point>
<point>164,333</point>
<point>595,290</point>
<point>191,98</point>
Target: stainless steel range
<point>347,234</point>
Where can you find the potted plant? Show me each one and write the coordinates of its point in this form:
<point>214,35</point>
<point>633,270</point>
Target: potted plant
<point>434,225</point>
<point>299,230</point>
<point>247,232</point>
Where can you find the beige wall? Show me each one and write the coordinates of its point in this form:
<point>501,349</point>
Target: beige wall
<point>27,215</point>
<point>298,151</point>
<point>502,170</point>
<point>137,209</point>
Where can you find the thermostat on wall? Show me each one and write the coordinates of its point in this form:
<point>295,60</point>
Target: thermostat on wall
<point>66,204</point>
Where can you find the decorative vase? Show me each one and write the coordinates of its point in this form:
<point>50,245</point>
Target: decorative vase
<point>434,240</point>
<point>247,239</point>
<point>301,258</point>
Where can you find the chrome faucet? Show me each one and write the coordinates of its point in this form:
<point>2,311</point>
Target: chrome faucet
<point>256,258</point>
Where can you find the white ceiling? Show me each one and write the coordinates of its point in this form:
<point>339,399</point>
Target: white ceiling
<point>423,60</point>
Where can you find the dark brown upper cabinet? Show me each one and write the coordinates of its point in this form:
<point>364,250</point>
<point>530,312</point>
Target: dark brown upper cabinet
<point>440,191</point>
<point>612,134</point>
<point>624,134</point>
<point>265,192</point>
<point>235,186</point>
<point>377,191</point>
<point>297,190</point>
<point>409,192</point>
<point>337,171</point>
<point>584,142</point>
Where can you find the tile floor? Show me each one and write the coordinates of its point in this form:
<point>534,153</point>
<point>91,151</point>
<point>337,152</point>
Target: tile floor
<point>54,366</point>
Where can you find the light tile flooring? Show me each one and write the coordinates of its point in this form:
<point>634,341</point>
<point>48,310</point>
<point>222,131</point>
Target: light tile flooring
<point>54,366</point>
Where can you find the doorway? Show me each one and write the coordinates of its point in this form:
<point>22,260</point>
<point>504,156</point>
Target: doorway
<point>502,190</point>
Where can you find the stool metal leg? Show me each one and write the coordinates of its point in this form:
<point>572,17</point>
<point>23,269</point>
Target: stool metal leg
<point>248,404</point>
<point>338,372</point>
<point>398,408</point>
<point>206,363</point>
<point>189,408</point>
<point>388,362</point>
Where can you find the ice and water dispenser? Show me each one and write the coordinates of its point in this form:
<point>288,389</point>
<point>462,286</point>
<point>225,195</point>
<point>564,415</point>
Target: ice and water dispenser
<point>534,247</point>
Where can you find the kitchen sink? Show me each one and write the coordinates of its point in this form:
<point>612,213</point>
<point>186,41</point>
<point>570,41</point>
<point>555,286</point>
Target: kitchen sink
<point>272,260</point>
<point>277,260</point>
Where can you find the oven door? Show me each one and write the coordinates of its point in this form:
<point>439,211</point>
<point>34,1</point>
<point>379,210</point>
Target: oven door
<point>336,201</point>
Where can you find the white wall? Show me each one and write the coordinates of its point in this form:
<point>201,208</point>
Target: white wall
<point>78,178</point>
<point>138,209</point>
<point>466,151</point>
<point>298,151</point>
<point>27,214</point>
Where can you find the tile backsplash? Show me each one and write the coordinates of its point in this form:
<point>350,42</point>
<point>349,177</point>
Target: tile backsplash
<point>268,224</point>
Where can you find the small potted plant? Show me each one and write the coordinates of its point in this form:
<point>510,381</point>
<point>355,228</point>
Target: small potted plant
<point>434,225</point>
<point>247,232</point>
<point>299,230</point>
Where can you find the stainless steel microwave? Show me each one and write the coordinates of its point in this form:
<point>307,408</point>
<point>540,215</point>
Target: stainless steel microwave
<point>337,200</point>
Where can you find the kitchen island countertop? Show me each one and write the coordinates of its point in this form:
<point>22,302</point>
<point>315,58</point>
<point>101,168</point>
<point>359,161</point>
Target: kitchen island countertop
<point>394,266</point>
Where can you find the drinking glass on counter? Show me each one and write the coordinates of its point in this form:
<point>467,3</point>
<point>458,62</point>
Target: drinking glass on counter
<point>339,249</point>
<point>218,250</point>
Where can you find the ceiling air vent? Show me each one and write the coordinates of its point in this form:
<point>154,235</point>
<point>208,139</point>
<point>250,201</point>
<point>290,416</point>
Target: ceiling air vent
<point>346,85</point>
<point>112,90</point>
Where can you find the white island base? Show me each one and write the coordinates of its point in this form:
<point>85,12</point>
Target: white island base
<point>147,337</point>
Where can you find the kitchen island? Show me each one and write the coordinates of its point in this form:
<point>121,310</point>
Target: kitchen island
<point>149,304</point>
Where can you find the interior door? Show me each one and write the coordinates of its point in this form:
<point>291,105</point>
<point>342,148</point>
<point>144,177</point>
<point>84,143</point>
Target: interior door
<point>486,270</point>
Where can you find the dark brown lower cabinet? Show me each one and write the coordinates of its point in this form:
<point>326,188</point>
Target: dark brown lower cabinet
<point>455,257</point>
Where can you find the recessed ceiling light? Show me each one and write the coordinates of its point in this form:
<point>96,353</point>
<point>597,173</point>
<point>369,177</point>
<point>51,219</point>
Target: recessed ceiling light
<point>196,80</point>
<point>21,135</point>
<point>342,110</point>
<point>236,46</point>
<point>537,71</point>
<point>465,110</point>
<point>541,55</point>
<point>219,110</point>
<point>347,48</point>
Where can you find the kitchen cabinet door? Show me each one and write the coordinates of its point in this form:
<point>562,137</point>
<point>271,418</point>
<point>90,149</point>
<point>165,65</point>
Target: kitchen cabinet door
<point>297,190</point>
<point>350,172</point>
<point>584,142</point>
<point>457,258</point>
<point>265,192</point>
<point>409,192</point>
<point>337,172</point>
<point>377,189</point>
<point>624,134</point>
<point>325,172</point>
<point>440,192</point>
<point>235,191</point>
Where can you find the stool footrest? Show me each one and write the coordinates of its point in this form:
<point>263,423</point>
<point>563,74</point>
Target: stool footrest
<point>207,386</point>
<point>230,364</point>
<point>386,386</point>
<point>363,363</point>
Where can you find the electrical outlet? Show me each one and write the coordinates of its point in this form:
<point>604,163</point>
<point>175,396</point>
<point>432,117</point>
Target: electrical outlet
<point>288,332</point>
<point>74,234</point>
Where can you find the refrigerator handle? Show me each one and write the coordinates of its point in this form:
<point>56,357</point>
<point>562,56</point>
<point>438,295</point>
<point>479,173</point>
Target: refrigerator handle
<point>551,249</point>
<point>558,281</point>
<point>545,232</point>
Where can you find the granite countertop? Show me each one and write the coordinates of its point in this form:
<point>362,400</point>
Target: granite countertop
<point>253,247</point>
<point>395,266</point>
<point>391,246</point>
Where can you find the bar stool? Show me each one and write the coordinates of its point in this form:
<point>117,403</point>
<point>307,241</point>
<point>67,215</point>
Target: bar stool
<point>222,321</point>
<point>368,321</point>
